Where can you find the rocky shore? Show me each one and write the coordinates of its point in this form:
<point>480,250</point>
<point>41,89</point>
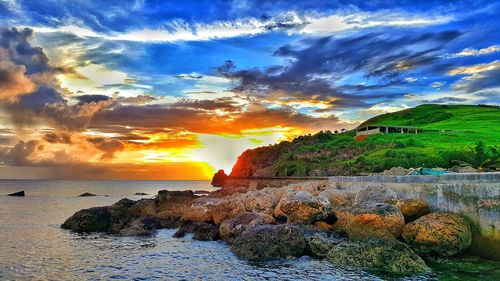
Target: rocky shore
<point>374,228</point>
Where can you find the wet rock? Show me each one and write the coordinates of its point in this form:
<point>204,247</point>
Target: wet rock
<point>270,242</point>
<point>381,254</point>
<point>206,232</point>
<point>19,194</point>
<point>96,219</point>
<point>233,228</point>
<point>144,226</point>
<point>140,193</point>
<point>174,203</point>
<point>412,209</point>
<point>339,198</point>
<point>219,178</point>
<point>319,244</point>
<point>86,194</point>
<point>373,220</point>
<point>302,207</point>
<point>179,233</point>
<point>375,194</point>
<point>443,234</point>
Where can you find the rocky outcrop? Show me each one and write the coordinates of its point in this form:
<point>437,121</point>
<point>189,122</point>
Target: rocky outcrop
<point>19,194</point>
<point>302,207</point>
<point>219,178</point>
<point>142,227</point>
<point>87,194</point>
<point>233,228</point>
<point>270,242</point>
<point>412,209</point>
<point>96,219</point>
<point>375,194</point>
<point>372,220</point>
<point>443,234</point>
<point>381,254</point>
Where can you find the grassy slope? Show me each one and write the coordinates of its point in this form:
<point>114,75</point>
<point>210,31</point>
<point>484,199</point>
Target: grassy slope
<point>334,154</point>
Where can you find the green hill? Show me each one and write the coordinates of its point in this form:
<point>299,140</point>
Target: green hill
<point>448,131</point>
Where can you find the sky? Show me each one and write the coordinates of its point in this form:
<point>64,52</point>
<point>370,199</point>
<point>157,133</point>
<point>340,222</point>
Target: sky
<point>178,89</point>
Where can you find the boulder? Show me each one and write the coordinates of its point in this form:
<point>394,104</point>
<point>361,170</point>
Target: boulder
<point>262,201</point>
<point>302,207</point>
<point>86,194</point>
<point>144,208</point>
<point>219,178</point>
<point>412,209</point>
<point>232,228</point>
<point>225,209</point>
<point>270,242</point>
<point>141,227</point>
<point>339,198</point>
<point>19,194</point>
<point>174,203</point>
<point>374,220</point>
<point>380,254</point>
<point>319,244</point>
<point>96,219</point>
<point>206,232</point>
<point>443,234</point>
<point>375,194</point>
<point>197,213</point>
<point>396,171</point>
<point>312,187</point>
<point>462,169</point>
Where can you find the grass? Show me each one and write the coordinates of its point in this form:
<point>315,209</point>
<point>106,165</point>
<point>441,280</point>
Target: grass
<point>448,131</point>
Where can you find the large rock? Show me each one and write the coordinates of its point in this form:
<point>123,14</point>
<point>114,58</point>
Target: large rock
<point>142,227</point>
<point>262,201</point>
<point>174,203</point>
<point>96,219</point>
<point>206,232</point>
<point>233,228</point>
<point>87,194</point>
<point>270,242</point>
<point>372,220</point>
<point>219,178</point>
<point>339,198</point>
<point>302,207</point>
<point>19,194</point>
<point>412,209</point>
<point>444,234</point>
<point>381,254</point>
<point>144,208</point>
<point>320,243</point>
<point>225,209</point>
<point>375,194</point>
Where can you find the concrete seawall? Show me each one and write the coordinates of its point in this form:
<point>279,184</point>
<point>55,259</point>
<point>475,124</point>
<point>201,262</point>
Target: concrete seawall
<point>476,196</point>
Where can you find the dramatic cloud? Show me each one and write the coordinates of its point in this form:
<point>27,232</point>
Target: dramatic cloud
<point>13,81</point>
<point>108,146</point>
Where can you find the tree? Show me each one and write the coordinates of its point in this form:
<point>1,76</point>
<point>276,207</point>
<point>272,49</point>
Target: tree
<point>480,157</point>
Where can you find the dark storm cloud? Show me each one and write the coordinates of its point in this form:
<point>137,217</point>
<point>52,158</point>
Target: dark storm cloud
<point>316,64</point>
<point>54,137</point>
<point>91,98</point>
<point>108,146</point>
<point>20,154</point>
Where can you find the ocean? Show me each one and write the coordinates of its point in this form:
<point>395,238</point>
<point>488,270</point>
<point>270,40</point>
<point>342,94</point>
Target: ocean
<point>34,247</point>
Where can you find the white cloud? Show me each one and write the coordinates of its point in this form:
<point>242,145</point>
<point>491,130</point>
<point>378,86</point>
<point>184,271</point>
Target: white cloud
<point>290,22</point>
<point>477,52</point>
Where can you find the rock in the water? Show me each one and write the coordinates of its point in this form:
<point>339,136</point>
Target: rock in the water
<point>87,194</point>
<point>96,219</point>
<point>232,228</point>
<point>219,178</point>
<point>206,232</point>
<point>443,234</point>
<point>373,220</point>
<point>140,193</point>
<point>319,244</point>
<point>339,198</point>
<point>412,209</point>
<point>179,233</point>
<point>302,207</point>
<point>142,227</point>
<point>381,254</point>
<point>375,194</point>
<point>270,242</point>
<point>19,193</point>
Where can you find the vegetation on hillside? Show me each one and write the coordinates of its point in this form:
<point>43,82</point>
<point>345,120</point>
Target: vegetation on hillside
<point>449,133</point>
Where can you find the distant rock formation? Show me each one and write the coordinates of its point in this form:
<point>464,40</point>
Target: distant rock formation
<point>219,178</point>
<point>19,193</point>
<point>86,194</point>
